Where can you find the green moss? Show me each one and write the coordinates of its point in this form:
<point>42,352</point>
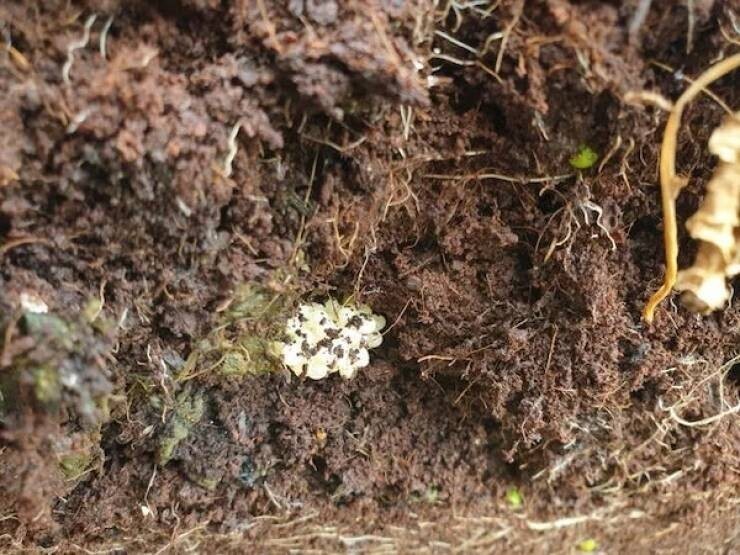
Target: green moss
<point>74,465</point>
<point>50,327</point>
<point>252,357</point>
<point>46,386</point>
<point>187,413</point>
<point>104,405</point>
<point>252,301</point>
<point>584,158</point>
<point>92,310</point>
<point>205,482</point>
<point>588,545</point>
<point>59,374</point>
<point>234,364</point>
<point>242,343</point>
<point>175,434</point>
<point>514,498</point>
<point>76,453</point>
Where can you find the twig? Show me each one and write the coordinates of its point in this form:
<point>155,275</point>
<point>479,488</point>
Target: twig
<point>13,243</point>
<point>20,61</point>
<point>456,42</point>
<point>7,337</point>
<point>551,351</point>
<point>500,177</point>
<point>624,164</point>
<point>148,489</point>
<point>517,10</point>
<point>612,151</point>
<point>398,318</point>
<point>339,148</point>
<point>453,60</point>
<point>722,104</point>
<point>302,227</point>
<point>489,40</point>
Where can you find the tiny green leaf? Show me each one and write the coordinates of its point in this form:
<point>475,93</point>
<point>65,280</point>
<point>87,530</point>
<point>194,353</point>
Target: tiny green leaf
<point>431,495</point>
<point>588,545</point>
<point>514,498</point>
<point>584,158</point>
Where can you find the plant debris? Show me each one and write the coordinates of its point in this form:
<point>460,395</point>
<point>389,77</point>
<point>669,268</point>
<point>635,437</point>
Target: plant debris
<point>671,184</point>
<point>716,225</point>
<point>584,158</point>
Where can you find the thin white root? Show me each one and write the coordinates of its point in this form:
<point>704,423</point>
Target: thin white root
<point>229,160</point>
<point>599,215</point>
<point>559,523</point>
<point>184,208</point>
<point>722,372</point>
<point>638,18</point>
<point>648,97</point>
<point>517,10</point>
<point>148,57</point>
<point>104,37</point>
<point>76,45</point>
<point>703,421</point>
<point>79,119</point>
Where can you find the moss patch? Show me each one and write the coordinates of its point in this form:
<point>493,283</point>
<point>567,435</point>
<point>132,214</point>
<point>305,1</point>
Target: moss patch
<point>584,158</point>
<point>187,413</point>
<point>74,465</point>
<point>240,344</point>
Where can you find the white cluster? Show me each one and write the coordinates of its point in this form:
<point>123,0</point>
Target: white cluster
<point>329,338</point>
<point>31,302</point>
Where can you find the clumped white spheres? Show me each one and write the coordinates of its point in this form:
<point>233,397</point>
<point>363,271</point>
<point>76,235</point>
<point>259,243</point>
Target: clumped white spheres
<point>322,339</point>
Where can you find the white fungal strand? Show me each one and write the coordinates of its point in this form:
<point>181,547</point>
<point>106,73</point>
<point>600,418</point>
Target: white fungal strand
<point>104,38</point>
<point>31,302</point>
<point>329,338</point>
<point>78,120</point>
<point>76,45</point>
<point>589,205</point>
<point>229,160</point>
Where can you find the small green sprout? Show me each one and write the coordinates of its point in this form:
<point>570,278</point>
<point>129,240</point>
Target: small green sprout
<point>588,545</point>
<point>429,496</point>
<point>514,498</point>
<point>584,158</point>
<point>432,495</point>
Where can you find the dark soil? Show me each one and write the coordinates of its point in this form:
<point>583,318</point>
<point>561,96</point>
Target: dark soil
<point>407,154</point>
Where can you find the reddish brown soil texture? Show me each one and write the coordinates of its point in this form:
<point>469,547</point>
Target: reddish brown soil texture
<point>441,196</point>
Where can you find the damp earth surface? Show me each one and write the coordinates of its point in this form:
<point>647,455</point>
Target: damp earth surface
<point>176,177</point>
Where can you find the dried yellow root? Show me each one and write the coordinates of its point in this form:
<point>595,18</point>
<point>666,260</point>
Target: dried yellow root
<point>671,184</point>
<point>717,226</point>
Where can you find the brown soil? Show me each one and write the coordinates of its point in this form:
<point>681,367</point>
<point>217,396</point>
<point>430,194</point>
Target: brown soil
<point>442,197</point>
